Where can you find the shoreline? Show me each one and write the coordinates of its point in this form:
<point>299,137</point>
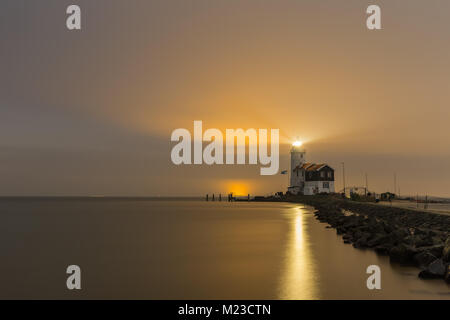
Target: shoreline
<point>409,237</point>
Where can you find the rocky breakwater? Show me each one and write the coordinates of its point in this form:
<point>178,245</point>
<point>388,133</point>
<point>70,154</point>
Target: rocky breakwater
<point>407,236</point>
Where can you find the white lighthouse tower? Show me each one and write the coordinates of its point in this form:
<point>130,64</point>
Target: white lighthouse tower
<point>297,178</point>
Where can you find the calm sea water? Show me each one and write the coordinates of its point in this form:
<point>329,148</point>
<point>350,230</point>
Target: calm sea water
<point>187,250</point>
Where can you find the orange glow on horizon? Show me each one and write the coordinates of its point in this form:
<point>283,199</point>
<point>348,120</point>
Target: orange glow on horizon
<point>238,187</point>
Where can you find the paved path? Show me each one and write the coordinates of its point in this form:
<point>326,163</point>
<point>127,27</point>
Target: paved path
<point>441,208</point>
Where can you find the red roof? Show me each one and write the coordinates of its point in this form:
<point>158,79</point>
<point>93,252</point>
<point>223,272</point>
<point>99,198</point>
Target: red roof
<point>310,166</point>
<point>316,167</point>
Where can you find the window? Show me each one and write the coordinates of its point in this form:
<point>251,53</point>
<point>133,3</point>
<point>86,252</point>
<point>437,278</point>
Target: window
<point>322,174</point>
<point>329,174</point>
<point>326,185</point>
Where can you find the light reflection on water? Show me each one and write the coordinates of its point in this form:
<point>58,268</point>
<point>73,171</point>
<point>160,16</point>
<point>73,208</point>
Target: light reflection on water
<point>298,281</point>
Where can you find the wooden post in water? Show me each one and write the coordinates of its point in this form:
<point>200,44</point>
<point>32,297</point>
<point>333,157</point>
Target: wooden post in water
<point>213,197</point>
<point>248,197</point>
<point>206,197</point>
<point>367,185</point>
<point>220,197</point>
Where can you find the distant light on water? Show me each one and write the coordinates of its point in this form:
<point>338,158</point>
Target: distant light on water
<point>297,143</point>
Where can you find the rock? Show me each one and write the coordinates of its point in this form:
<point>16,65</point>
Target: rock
<point>419,240</point>
<point>382,249</point>
<point>378,228</point>
<point>351,222</point>
<point>361,241</point>
<point>387,228</point>
<point>376,240</point>
<point>436,269</point>
<point>400,233</point>
<point>434,250</point>
<point>437,241</point>
<point>347,237</point>
<point>446,250</point>
<point>423,241</point>
<point>402,253</point>
<point>447,274</point>
<point>424,258</point>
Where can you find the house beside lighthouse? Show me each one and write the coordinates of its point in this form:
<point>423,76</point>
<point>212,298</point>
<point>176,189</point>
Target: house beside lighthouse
<point>309,178</point>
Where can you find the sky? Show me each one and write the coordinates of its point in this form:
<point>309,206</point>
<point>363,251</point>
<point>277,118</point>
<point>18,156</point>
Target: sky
<point>90,112</point>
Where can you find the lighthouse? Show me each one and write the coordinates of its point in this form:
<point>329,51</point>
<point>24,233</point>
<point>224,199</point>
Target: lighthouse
<point>308,178</point>
<point>297,177</point>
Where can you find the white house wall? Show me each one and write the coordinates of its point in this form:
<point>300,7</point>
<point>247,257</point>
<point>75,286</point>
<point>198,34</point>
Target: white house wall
<point>310,186</point>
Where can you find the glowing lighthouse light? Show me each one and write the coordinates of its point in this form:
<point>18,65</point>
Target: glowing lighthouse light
<point>297,143</point>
